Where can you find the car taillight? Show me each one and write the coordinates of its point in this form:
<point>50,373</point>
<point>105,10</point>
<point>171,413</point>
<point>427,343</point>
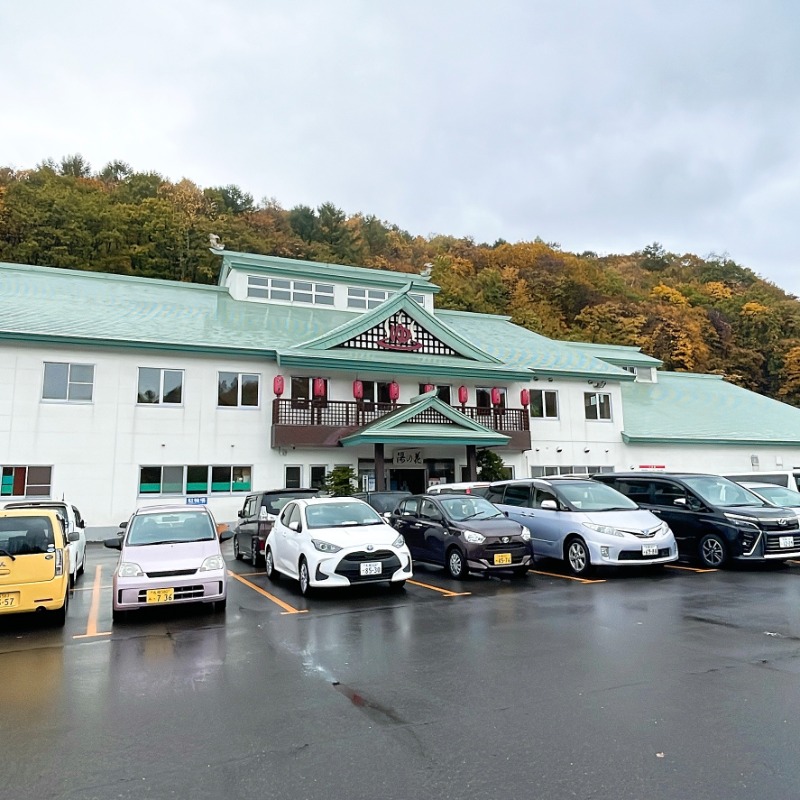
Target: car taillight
<point>59,562</point>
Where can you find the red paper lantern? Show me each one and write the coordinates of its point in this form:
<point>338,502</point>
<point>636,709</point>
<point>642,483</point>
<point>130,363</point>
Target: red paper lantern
<point>429,387</point>
<point>394,391</point>
<point>358,390</point>
<point>319,387</point>
<point>278,385</point>
<point>463,395</point>
<point>495,396</point>
<point>525,398</point>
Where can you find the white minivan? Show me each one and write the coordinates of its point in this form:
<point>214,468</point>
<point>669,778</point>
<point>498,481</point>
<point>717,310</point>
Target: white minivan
<point>788,478</point>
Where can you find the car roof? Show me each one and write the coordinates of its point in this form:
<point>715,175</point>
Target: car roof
<point>37,504</point>
<point>759,485</point>
<point>286,490</point>
<point>316,501</point>
<point>173,508</point>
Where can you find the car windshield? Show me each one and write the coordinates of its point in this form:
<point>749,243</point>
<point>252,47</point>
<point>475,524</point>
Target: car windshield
<point>778,495</point>
<point>384,503</point>
<point>169,528</point>
<point>341,515</point>
<point>461,507</point>
<point>274,503</point>
<point>593,496</point>
<point>26,535</point>
<point>717,491</point>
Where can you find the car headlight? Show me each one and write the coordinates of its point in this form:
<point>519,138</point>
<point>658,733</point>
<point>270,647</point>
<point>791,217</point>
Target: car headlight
<point>524,533</point>
<point>398,542</point>
<point>741,521</point>
<point>607,530</point>
<point>664,530</point>
<point>473,537</point>
<point>127,569</point>
<point>325,547</point>
<point>212,562</point>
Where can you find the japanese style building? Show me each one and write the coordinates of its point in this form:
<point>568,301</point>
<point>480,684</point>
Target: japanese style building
<point>121,391</point>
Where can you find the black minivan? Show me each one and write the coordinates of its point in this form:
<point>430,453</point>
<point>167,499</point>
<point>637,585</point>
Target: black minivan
<point>713,518</point>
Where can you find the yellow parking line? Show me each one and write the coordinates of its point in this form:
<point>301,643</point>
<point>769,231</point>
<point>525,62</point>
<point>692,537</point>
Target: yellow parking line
<point>689,569</point>
<point>285,606</point>
<point>94,608</point>
<point>445,592</point>
<point>568,577</point>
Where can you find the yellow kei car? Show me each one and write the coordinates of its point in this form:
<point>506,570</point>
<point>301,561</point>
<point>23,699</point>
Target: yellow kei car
<point>34,562</point>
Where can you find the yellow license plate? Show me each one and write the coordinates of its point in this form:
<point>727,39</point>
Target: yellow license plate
<point>160,595</point>
<point>9,599</point>
<point>502,558</point>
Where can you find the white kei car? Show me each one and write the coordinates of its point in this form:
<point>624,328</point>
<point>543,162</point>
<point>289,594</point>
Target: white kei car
<point>335,541</point>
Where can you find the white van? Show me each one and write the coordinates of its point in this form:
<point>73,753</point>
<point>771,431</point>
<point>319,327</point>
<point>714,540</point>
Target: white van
<point>789,478</point>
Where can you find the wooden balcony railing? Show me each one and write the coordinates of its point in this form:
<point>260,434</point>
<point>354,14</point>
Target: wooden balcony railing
<point>347,413</point>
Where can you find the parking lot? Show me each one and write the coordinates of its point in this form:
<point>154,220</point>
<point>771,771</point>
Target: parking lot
<point>678,683</point>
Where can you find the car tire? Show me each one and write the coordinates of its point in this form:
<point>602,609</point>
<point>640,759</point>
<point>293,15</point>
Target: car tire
<point>237,554</point>
<point>304,578</point>
<point>254,551</point>
<point>519,572</point>
<point>576,554</point>
<point>269,565</point>
<point>220,606</point>
<point>60,614</point>
<point>712,551</point>
<point>456,564</point>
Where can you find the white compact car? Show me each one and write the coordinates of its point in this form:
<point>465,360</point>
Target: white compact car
<point>335,541</point>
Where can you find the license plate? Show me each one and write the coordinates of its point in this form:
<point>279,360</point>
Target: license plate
<point>649,549</point>
<point>160,595</point>
<point>787,541</point>
<point>372,568</point>
<point>9,599</point>
<point>502,558</point>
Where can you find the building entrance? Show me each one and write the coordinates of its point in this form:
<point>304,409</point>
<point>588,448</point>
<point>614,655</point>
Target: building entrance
<point>408,480</point>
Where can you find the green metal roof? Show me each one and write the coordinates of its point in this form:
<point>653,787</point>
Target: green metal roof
<point>686,408</point>
<point>619,355</point>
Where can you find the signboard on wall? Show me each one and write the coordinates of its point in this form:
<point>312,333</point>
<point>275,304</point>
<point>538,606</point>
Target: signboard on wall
<point>196,501</point>
<point>652,466</point>
<point>408,458</point>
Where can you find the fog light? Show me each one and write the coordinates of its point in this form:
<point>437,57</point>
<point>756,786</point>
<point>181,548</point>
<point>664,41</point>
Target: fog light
<point>604,552</point>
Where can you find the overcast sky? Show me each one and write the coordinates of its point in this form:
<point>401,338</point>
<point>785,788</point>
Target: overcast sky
<point>602,125</point>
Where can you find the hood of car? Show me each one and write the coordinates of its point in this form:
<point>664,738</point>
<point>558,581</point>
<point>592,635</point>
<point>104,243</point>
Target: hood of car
<point>356,535</point>
<point>179,555</point>
<point>501,526</point>
<point>637,519</point>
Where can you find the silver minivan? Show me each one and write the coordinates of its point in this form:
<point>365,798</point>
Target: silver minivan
<point>584,523</point>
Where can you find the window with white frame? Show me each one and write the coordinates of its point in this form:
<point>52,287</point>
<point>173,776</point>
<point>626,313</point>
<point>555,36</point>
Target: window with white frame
<point>160,386</point>
<point>237,389</point>
<point>194,479</point>
<point>544,403</point>
<point>318,474</point>
<point>358,297</point>
<point>483,399</point>
<point>71,382</point>
<point>292,477</point>
<point>597,405</point>
<point>25,481</point>
<point>293,291</point>
<point>575,469</point>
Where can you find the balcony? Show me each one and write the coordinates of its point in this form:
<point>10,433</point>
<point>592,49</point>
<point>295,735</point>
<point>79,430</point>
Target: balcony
<point>323,423</point>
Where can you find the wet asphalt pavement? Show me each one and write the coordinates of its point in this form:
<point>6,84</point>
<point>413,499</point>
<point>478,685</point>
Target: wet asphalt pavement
<point>676,685</point>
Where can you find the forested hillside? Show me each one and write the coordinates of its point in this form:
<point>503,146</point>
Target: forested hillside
<point>697,314</point>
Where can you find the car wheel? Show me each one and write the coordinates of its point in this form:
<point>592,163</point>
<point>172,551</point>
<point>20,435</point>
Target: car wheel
<point>220,606</point>
<point>254,551</point>
<point>456,564</point>
<point>60,614</point>
<point>304,577</point>
<point>577,557</point>
<point>236,552</point>
<point>712,551</point>
<point>269,565</point>
<point>519,572</point>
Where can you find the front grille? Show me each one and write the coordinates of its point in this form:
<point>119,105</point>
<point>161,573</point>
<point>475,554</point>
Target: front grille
<point>636,555</point>
<point>171,572</point>
<point>350,565</point>
<point>773,544</point>
<point>772,525</point>
<point>517,549</point>
<point>641,534</point>
<point>181,593</point>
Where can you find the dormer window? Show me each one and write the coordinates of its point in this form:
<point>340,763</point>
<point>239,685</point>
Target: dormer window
<point>289,290</point>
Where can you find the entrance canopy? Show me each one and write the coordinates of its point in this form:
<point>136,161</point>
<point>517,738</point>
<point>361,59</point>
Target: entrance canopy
<point>426,421</point>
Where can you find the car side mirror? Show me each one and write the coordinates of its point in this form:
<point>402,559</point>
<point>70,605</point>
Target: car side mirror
<point>225,535</point>
<point>73,537</point>
<point>240,513</point>
<point>124,524</point>
<point>549,505</point>
<point>680,501</point>
<point>114,543</point>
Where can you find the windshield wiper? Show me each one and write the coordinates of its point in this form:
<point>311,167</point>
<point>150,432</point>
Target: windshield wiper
<point>6,553</point>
